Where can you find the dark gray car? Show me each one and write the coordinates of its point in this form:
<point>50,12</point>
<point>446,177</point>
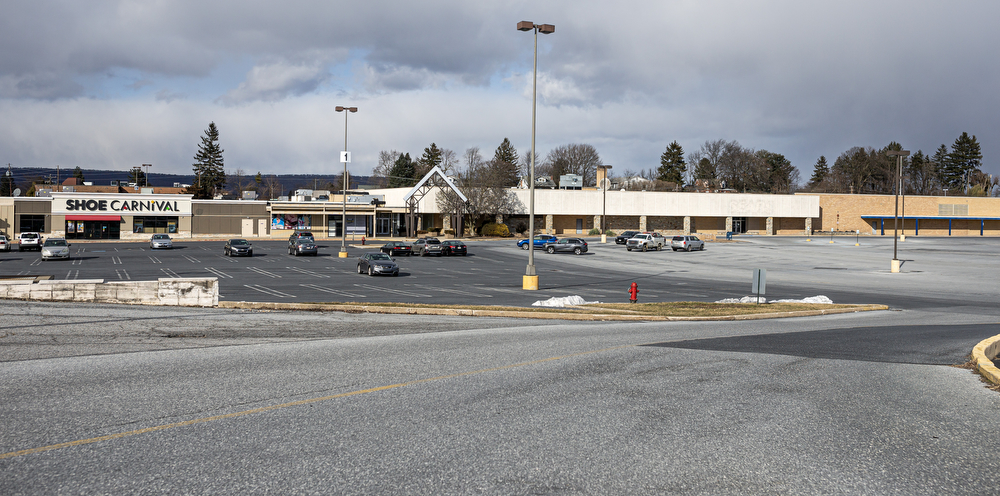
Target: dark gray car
<point>623,237</point>
<point>377,264</point>
<point>302,246</point>
<point>567,245</point>
<point>238,248</point>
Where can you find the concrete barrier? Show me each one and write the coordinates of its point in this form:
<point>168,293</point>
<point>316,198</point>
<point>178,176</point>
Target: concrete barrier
<point>189,292</point>
<point>983,355</point>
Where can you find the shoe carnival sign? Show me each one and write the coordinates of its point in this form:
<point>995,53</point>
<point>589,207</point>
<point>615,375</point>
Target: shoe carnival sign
<point>118,204</point>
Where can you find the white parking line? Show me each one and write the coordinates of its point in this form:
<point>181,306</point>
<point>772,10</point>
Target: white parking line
<point>269,291</point>
<point>122,275</point>
<point>170,273</point>
<point>332,291</point>
<point>192,259</point>
<point>218,273</point>
<point>264,272</point>
<point>73,274</point>
<point>116,260</point>
<point>393,291</point>
<point>153,259</point>
<point>307,272</point>
<point>461,292</point>
<point>77,261</point>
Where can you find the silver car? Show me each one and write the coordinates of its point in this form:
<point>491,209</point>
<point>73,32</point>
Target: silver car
<point>686,243</point>
<point>55,248</point>
<point>160,241</point>
<point>427,246</point>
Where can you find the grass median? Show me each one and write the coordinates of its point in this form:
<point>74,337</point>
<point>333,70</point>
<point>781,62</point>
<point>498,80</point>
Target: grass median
<point>683,310</point>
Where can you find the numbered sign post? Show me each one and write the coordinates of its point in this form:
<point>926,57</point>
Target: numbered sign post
<point>759,283</point>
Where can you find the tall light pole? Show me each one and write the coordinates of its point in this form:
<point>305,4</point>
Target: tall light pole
<point>530,279</point>
<point>895,230</point>
<point>605,184</point>
<point>146,175</point>
<point>345,157</point>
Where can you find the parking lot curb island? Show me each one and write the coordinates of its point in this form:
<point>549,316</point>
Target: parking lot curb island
<point>184,292</point>
<point>983,355</point>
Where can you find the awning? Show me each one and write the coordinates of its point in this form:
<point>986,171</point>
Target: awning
<point>105,218</point>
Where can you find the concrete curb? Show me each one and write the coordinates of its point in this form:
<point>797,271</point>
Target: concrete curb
<point>983,355</point>
<point>513,313</point>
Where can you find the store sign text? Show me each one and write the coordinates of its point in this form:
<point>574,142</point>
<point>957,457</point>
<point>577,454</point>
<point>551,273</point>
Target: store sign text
<point>121,206</point>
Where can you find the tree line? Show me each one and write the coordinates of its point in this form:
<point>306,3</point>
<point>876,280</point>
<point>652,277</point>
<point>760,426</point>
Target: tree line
<point>954,171</point>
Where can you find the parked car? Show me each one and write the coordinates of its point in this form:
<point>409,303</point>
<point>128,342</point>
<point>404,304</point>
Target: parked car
<point>574,245</point>
<point>394,248</point>
<point>625,236</point>
<point>645,242</point>
<point>454,247</point>
<point>160,241</point>
<point>4,243</point>
<point>239,248</point>
<point>427,246</point>
<point>29,241</point>
<point>302,246</point>
<point>539,241</point>
<point>55,248</point>
<point>300,234</point>
<point>377,263</point>
<point>686,243</point>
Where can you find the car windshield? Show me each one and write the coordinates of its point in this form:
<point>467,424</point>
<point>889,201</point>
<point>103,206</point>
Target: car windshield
<point>238,242</point>
<point>380,256</point>
<point>55,242</point>
<point>678,238</point>
<point>29,236</point>
<point>433,242</point>
<point>160,236</point>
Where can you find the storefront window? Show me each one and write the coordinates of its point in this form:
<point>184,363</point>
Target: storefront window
<point>291,221</point>
<point>154,224</point>
<point>32,223</point>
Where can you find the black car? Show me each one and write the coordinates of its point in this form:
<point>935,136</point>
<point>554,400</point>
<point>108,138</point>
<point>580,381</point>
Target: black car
<point>377,264</point>
<point>624,237</point>
<point>454,247</point>
<point>572,245</point>
<point>396,248</point>
<point>239,248</point>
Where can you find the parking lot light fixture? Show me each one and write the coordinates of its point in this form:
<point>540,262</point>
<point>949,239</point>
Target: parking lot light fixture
<point>899,182</point>
<point>345,157</point>
<point>530,279</point>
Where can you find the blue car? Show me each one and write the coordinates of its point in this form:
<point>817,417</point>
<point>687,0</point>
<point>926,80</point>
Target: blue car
<point>539,242</point>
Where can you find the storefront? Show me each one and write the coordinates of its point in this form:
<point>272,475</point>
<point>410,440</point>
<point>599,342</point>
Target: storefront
<point>119,216</point>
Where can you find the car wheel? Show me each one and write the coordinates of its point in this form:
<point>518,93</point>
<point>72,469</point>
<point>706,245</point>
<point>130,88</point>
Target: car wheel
<point>550,249</point>
<point>644,248</point>
<point>702,248</point>
<point>359,269</point>
<point>370,271</point>
<point>524,246</point>
<point>688,248</point>
<point>672,248</point>
<point>628,248</point>
<point>395,274</point>
<point>577,251</point>
<point>250,253</point>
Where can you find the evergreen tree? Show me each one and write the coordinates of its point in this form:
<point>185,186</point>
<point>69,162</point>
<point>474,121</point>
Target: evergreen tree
<point>431,158</point>
<point>137,176</point>
<point>208,167</point>
<point>820,171</point>
<point>403,173</point>
<point>964,159</point>
<point>704,170</point>
<point>78,173</point>
<point>7,185</point>
<point>672,167</point>
<point>505,161</point>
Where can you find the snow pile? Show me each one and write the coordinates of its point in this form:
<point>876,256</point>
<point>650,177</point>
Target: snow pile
<point>753,299</point>
<point>564,301</point>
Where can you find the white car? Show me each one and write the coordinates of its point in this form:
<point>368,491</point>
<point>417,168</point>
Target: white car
<point>687,243</point>
<point>29,241</point>
<point>55,248</point>
<point>4,243</point>
<point>160,241</point>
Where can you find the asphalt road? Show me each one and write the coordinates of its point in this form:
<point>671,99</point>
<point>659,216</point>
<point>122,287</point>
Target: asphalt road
<point>118,399</point>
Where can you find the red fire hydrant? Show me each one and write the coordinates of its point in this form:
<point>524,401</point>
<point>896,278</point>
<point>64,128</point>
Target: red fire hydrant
<point>633,293</point>
<point>362,240</point>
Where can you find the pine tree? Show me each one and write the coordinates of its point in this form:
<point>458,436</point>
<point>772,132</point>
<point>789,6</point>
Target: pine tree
<point>672,167</point>
<point>820,171</point>
<point>964,159</point>
<point>704,170</point>
<point>78,173</point>
<point>403,173</point>
<point>505,160</point>
<point>431,158</point>
<point>137,176</point>
<point>209,167</point>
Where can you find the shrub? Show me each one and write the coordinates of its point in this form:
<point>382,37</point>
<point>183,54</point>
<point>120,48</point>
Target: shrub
<point>449,232</point>
<point>492,229</point>
<point>594,232</point>
<point>521,228</point>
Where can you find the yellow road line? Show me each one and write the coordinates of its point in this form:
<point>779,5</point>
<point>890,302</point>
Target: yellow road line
<point>262,409</point>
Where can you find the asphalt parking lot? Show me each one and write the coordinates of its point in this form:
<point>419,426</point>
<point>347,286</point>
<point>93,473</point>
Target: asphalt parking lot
<point>492,272</point>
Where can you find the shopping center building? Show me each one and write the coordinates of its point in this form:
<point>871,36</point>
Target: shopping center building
<point>383,213</point>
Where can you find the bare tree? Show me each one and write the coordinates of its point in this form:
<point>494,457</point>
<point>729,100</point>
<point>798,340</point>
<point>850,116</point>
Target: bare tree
<point>386,160</point>
<point>449,162</point>
<point>484,184</point>
<point>271,187</point>
<point>578,159</point>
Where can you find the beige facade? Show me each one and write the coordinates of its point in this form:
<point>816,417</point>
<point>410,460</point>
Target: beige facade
<point>919,215</point>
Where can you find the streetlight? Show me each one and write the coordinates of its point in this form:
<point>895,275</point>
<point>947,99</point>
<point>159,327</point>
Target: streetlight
<point>345,157</point>
<point>605,184</point>
<point>146,175</point>
<point>530,279</point>
<point>895,229</point>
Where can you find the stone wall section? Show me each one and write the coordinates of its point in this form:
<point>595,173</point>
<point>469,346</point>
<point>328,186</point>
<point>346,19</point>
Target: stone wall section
<point>191,292</point>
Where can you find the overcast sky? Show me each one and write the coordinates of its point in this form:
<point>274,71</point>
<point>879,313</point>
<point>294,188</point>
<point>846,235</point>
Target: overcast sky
<point>111,85</point>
